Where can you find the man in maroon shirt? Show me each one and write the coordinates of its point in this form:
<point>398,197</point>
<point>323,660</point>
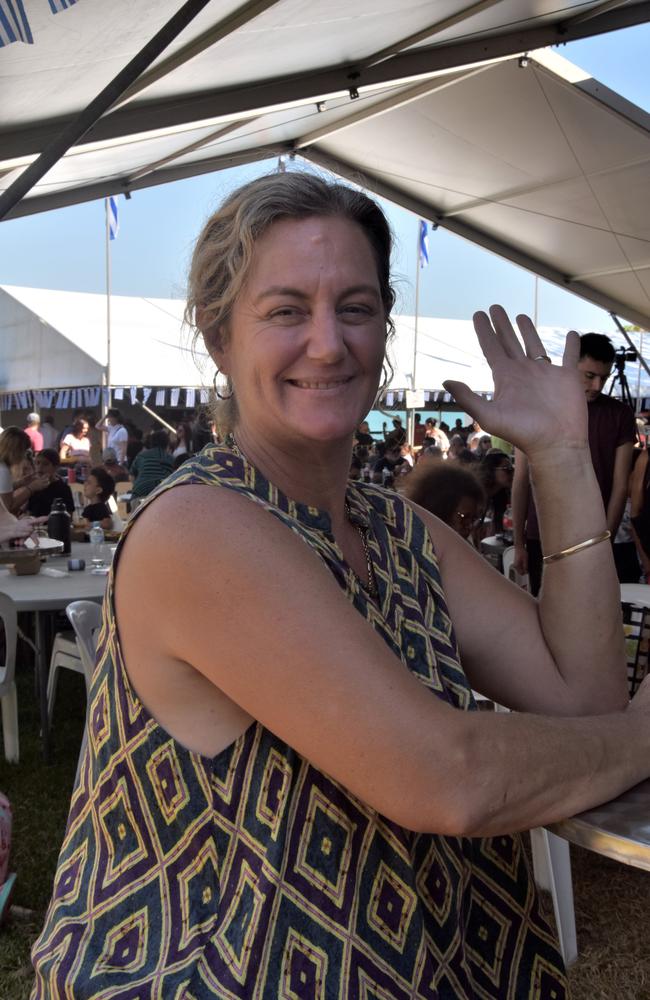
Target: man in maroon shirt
<point>32,430</point>
<point>612,433</point>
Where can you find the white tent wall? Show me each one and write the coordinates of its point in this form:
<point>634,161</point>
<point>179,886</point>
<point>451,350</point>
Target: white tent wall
<point>36,355</point>
<point>51,339</point>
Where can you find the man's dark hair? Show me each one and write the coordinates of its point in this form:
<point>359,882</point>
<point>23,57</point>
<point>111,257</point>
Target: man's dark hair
<point>115,414</point>
<point>50,455</point>
<point>158,439</point>
<point>597,346</point>
<point>106,482</point>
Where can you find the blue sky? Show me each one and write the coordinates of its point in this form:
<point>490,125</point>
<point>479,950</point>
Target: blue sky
<point>65,249</point>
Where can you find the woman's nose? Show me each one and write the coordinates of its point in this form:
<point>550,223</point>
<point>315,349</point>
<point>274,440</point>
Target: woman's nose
<point>326,340</point>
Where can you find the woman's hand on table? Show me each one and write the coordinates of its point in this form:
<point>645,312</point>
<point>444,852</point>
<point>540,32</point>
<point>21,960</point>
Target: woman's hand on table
<point>536,405</point>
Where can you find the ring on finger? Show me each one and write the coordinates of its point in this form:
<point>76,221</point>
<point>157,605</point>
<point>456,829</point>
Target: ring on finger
<point>543,357</point>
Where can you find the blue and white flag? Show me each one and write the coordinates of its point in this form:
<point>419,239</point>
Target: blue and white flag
<point>113,224</point>
<point>423,244</point>
<point>14,26</point>
<point>56,6</point>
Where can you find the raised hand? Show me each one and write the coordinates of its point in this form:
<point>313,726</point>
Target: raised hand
<point>536,405</point>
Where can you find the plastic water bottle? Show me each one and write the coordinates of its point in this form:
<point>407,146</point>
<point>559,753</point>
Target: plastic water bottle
<point>96,535</point>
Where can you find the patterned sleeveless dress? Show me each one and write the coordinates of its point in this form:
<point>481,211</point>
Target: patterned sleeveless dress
<point>254,875</point>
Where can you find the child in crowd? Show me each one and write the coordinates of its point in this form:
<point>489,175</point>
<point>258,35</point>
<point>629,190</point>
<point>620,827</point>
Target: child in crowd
<point>98,489</point>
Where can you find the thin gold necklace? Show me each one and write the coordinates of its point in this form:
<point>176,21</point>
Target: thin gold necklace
<point>363,535</point>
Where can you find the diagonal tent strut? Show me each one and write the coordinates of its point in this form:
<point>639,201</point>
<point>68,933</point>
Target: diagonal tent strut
<point>427,211</point>
<point>79,126</point>
<point>204,105</point>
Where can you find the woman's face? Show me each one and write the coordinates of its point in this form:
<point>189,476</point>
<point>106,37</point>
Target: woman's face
<point>307,333</point>
<point>465,516</point>
<point>82,432</point>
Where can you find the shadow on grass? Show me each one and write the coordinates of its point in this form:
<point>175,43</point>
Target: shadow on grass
<point>40,796</point>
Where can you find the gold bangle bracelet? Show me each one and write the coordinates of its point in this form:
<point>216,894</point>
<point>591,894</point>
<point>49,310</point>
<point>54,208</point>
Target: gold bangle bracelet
<point>563,553</point>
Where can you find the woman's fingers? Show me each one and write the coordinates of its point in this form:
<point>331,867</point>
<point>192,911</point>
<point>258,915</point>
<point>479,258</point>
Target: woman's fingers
<point>476,406</point>
<point>571,354</point>
<point>505,332</point>
<point>487,339</point>
<point>529,335</point>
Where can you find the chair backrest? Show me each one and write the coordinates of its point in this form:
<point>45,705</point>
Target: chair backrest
<point>635,598</point>
<point>86,620</point>
<point>508,559</point>
<point>10,622</point>
<point>636,593</point>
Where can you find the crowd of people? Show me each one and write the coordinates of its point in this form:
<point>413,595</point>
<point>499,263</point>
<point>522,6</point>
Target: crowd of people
<point>38,463</point>
<point>480,485</point>
<point>459,473</point>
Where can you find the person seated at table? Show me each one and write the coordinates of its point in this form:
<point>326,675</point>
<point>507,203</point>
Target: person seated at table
<point>450,491</point>
<point>495,473</point>
<point>110,464</point>
<point>75,446</point>
<point>285,775</point>
<point>153,464</point>
<point>40,504</point>
<point>98,489</point>
<point>16,486</point>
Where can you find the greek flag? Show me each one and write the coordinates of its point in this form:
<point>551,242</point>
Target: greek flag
<point>423,245</point>
<point>56,6</point>
<point>113,224</point>
<point>14,26</point>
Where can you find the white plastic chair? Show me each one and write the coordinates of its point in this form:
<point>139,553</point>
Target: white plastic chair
<point>636,593</point>
<point>86,619</point>
<point>65,654</point>
<point>74,650</point>
<point>8,696</point>
<point>508,558</point>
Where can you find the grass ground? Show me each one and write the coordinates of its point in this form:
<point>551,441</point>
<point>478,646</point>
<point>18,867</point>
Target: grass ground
<point>612,901</point>
<point>39,796</point>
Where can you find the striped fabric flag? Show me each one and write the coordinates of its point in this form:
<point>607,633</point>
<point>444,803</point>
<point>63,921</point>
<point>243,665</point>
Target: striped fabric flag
<point>423,244</point>
<point>56,6</point>
<point>113,223</point>
<point>14,26</point>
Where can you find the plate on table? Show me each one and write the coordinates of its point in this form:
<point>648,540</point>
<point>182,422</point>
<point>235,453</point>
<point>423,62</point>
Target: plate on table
<point>45,547</point>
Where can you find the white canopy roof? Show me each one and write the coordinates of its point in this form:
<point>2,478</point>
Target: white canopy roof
<point>537,162</point>
<point>53,339</point>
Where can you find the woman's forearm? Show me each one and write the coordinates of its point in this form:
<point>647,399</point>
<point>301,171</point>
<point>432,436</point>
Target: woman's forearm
<point>579,604</point>
<point>528,770</point>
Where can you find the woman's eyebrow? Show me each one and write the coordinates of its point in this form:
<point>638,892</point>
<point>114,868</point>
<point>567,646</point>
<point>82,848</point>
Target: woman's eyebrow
<point>298,294</point>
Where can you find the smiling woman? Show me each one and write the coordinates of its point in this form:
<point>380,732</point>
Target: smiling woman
<point>286,789</point>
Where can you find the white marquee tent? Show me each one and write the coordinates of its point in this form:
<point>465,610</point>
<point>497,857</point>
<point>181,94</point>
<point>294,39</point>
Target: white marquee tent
<point>56,340</point>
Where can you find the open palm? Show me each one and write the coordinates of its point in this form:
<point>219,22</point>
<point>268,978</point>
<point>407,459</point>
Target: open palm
<point>536,405</point>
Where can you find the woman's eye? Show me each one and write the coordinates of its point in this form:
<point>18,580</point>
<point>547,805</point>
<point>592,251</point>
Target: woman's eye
<point>357,311</point>
<point>284,312</point>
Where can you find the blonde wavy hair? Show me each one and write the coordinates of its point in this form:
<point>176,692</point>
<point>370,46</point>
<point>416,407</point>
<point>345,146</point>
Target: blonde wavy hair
<point>223,254</point>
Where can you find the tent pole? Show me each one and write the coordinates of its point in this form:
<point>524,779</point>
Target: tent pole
<point>106,397</point>
<point>410,414</point>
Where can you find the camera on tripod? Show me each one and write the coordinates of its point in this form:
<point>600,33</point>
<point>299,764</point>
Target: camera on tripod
<point>623,354</point>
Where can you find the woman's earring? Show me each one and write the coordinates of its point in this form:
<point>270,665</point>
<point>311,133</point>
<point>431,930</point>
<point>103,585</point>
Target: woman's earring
<point>216,391</point>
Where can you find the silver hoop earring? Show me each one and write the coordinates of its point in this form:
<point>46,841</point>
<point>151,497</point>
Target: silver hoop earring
<point>216,391</point>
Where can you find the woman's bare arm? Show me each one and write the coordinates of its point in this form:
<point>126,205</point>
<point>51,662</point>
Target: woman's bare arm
<point>565,653</point>
<point>236,598</point>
